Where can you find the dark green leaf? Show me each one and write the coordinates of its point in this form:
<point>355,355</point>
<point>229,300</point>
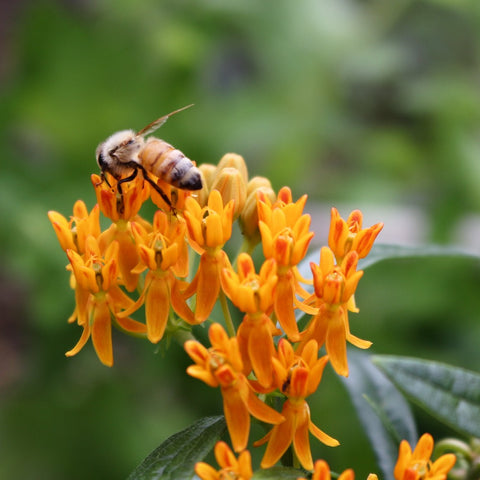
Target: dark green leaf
<point>175,458</point>
<point>279,473</point>
<point>448,393</point>
<point>381,408</point>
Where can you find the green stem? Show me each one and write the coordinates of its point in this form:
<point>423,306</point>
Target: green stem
<point>246,247</point>
<point>226,313</point>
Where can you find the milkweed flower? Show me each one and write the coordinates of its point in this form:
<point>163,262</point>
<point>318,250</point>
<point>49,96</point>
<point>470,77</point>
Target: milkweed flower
<point>417,465</point>
<point>163,252</point>
<point>72,234</point>
<point>209,228</point>
<point>221,365</point>
<point>99,298</point>
<point>296,376</point>
<point>253,294</point>
<point>116,206</point>
<point>345,236</point>
<point>285,238</point>
<point>334,287</point>
<point>121,209</point>
<point>231,467</point>
<point>321,471</point>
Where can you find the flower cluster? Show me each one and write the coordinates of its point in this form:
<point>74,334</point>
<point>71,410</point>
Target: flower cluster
<point>177,267</point>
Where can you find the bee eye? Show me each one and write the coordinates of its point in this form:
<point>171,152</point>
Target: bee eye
<point>130,141</point>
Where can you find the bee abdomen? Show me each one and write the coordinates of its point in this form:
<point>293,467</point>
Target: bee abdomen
<point>171,165</point>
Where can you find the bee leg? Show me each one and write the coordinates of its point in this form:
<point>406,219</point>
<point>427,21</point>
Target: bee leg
<point>129,178</point>
<point>159,190</point>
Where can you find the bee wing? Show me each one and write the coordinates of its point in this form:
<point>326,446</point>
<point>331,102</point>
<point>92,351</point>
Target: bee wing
<point>151,127</point>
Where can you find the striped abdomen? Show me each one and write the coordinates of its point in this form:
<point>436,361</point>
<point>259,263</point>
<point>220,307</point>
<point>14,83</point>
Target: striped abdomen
<point>170,164</point>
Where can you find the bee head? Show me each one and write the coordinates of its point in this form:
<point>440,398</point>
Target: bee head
<point>120,148</point>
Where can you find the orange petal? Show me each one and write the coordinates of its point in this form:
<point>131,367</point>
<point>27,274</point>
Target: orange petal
<point>280,438</point>
<point>284,295</point>
<point>237,418</point>
<point>336,345</point>
<point>208,286</point>
<point>322,436</point>
<point>261,410</point>
<point>260,352</point>
<point>102,334</point>
<point>157,308</point>
<point>81,343</point>
<point>301,440</point>
<point>205,471</point>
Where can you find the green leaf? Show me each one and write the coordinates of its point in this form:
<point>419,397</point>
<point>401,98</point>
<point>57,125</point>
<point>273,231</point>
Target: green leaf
<point>450,394</point>
<point>175,458</point>
<point>381,252</point>
<point>383,411</point>
<point>279,473</point>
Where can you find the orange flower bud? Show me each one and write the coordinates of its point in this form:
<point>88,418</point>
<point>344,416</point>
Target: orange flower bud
<point>249,215</point>
<point>231,185</point>
<point>207,173</point>
<point>232,160</point>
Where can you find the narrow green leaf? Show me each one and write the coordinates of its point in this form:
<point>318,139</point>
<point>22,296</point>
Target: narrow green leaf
<point>450,394</point>
<point>381,252</point>
<point>383,411</point>
<point>279,473</point>
<point>175,458</point>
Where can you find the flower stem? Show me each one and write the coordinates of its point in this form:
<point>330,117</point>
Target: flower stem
<point>226,313</point>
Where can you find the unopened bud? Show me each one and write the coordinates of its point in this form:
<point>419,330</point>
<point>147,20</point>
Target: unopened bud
<point>207,173</point>
<point>229,182</point>
<point>232,160</point>
<point>249,216</point>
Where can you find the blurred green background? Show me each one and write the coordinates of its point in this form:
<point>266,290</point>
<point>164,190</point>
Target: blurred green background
<point>359,103</point>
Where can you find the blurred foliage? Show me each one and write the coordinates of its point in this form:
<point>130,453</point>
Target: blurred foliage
<point>352,101</point>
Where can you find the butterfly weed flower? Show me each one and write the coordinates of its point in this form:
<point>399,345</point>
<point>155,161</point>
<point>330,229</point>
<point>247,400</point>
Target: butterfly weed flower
<point>285,238</point>
<point>334,287</point>
<point>253,294</point>
<point>345,236</point>
<point>221,365</point>
<point>296,376</point>
<point>209,228</point>
<point>163,252</point>
<point>121,209</point>
<point>72,234</point>
<point>417,465</point>
<point>230,467</point>
<point>99,298</point>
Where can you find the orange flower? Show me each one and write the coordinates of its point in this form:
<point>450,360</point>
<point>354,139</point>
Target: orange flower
<point>253,294</point>
<point>297,376</point>
<point>333,296</point>
<point>321,471</point>
<point>231,468</point>
<point>209,228</point>
<point>116,206</point>
<point>99,298</point>
<point>221,365</point>
<point>121,209</point>
<point>285,238</point>
<point>418,466</point>
<point>73,234</point>
<point>345,236</point>
<point>163,252</point>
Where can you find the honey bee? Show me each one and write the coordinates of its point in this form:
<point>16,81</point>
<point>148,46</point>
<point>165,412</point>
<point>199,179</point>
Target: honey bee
<point>125,153</point>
